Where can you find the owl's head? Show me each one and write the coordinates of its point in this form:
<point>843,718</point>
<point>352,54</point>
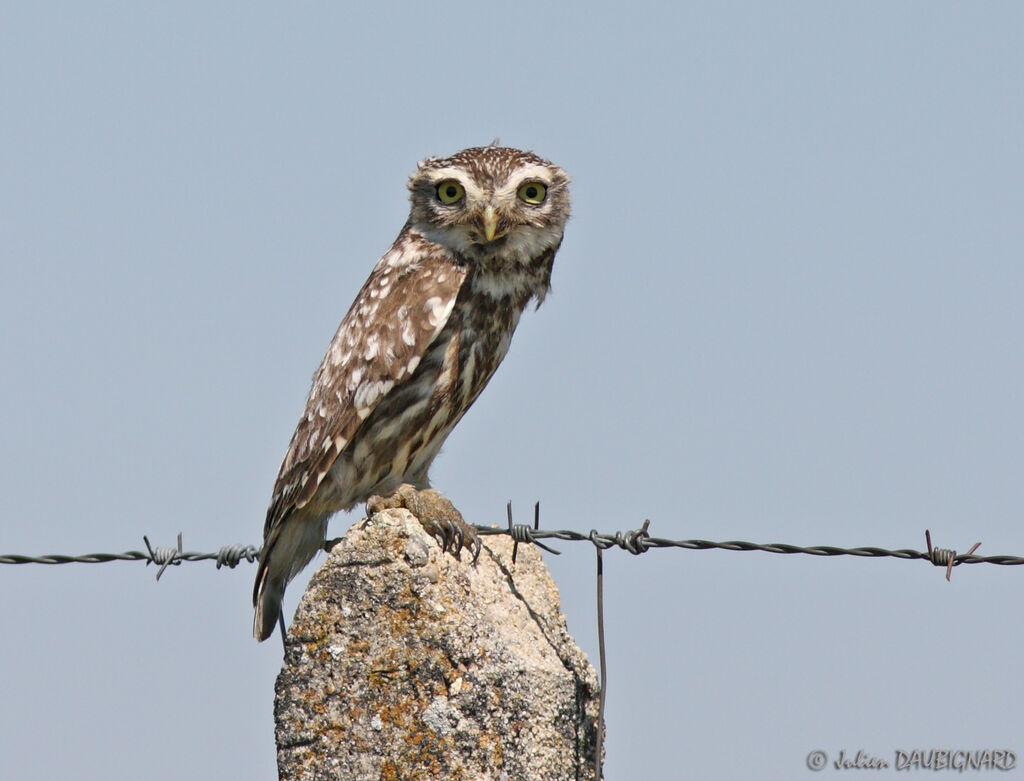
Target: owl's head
<point>490,201</point>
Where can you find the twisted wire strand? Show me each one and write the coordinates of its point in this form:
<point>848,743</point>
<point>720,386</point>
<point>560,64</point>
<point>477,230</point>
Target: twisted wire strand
<point>228,556</point>
<point>635,541</point>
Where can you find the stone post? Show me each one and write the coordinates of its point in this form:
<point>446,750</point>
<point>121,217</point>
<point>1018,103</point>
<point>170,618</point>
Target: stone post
<point>406,663</point>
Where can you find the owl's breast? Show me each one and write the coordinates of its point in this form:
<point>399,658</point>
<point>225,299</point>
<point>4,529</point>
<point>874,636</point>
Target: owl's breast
<point>398,442</point>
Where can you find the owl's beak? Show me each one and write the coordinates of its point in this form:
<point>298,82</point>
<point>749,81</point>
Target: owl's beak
<point>490,223</point>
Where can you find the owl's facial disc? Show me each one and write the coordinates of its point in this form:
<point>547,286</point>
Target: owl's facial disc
<point>489,203</point>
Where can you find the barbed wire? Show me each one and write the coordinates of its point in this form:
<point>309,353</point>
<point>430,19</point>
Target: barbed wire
<point>228,556</point>
<point>635,541</point>
<point>639,541</point>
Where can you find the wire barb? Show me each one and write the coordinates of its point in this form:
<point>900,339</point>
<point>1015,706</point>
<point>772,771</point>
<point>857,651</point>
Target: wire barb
<point>230,555</point>
<point>165,557</point>
<point>946,557</point>
<point>520,532</point>
<point>635,541</point>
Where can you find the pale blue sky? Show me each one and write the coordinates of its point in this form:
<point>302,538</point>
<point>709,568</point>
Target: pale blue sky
<point>787,308</point>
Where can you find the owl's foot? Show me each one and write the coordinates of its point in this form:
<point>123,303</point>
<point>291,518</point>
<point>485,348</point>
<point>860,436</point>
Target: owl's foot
<point>435,513</point>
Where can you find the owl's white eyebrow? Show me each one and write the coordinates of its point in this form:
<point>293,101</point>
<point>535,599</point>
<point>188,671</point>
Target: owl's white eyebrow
<point>441,174</point>
<point>459,175</point>
<point>535,172</point>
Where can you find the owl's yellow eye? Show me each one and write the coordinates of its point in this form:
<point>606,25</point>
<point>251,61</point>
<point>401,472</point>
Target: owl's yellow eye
<point>533,192</point>
<point>450,191</point>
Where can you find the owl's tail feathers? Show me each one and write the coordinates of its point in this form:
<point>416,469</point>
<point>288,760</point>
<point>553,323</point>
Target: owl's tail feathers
<point>266,598</point>
<point>287,549</point>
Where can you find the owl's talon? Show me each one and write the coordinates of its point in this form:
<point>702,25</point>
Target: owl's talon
<point>451,536</point>
<point>437,515</point>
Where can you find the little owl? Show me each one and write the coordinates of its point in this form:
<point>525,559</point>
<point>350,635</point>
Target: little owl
<point>423,337</point>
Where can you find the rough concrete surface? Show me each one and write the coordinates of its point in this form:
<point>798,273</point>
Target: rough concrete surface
<point>406,663</point>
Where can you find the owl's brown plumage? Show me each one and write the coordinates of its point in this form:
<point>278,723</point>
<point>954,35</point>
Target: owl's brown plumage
<point>418,345</point>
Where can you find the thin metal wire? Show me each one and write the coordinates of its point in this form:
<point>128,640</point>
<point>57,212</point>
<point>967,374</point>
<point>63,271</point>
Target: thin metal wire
<point>228,556</point>
<point>636,541</point>
<point>604,670</point>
